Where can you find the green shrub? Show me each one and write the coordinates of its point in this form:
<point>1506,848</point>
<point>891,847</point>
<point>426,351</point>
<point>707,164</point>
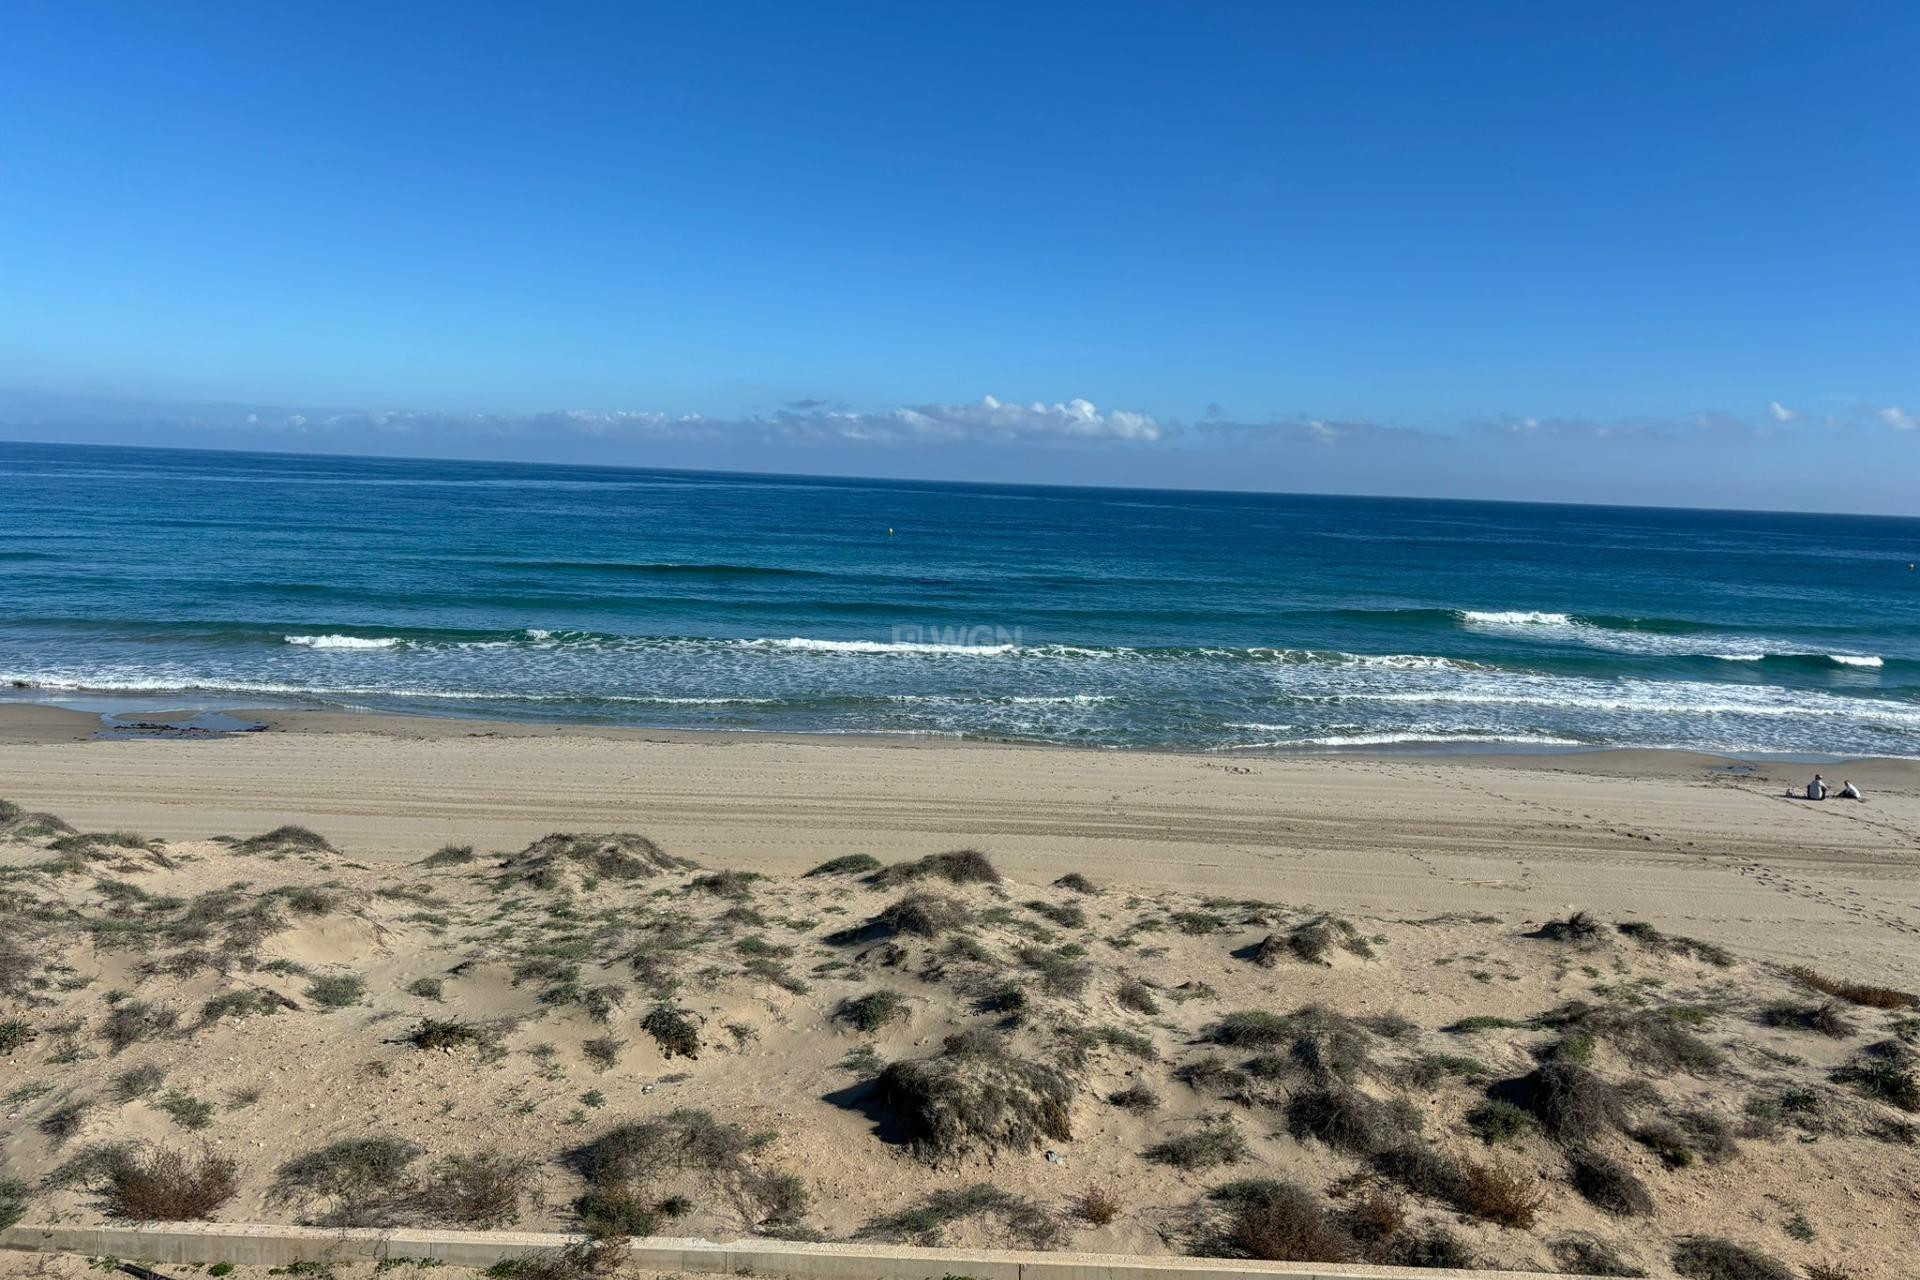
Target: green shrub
<point>924,1222</point>
<point>285,839</point>
<point>449,855</point>
<point>1250,1028</point>
<point>1496,1121</point>
<point>187,1111</point>
<point>1213,1144</point>
<point>872,1011</point>
<point>136,1020</point>
<point>1064,914</point>
<point>1710,1258</point>
<point>337,991</point>
<point>139,1082</point>
<point>847,865</point>
<point>961,866</point>
<point>673,1030</point>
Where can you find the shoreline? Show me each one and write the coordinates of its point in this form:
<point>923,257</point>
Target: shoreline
<point>95,712</point>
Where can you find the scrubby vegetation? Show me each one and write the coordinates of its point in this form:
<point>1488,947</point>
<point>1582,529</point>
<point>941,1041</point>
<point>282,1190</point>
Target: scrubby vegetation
<point>633,1166</point>
<point>1859,993</point>
<point>160,1184</point>
<point>1536,1079</point>
<point>872,1011</point>
<point>961,866</point>
<point>975,1094</point>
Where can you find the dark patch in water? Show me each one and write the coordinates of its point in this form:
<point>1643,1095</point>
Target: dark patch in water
<point>204,724</point>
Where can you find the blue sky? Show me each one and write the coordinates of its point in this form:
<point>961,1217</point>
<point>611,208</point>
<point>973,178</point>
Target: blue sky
<point>1608,252</point>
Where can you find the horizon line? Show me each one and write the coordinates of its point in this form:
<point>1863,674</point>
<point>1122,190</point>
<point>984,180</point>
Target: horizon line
<point>971,484</point>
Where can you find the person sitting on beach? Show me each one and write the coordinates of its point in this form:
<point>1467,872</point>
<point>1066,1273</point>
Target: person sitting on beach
<point>1817,789</point>
<point>1848,791</point>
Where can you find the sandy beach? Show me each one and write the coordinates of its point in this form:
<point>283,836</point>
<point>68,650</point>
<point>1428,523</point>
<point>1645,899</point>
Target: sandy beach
<point>1561,1013</point>
<point>1692,842</point>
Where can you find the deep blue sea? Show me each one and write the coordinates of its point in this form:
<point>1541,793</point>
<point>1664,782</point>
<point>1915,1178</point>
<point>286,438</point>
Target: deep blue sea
<point>1228,622</point>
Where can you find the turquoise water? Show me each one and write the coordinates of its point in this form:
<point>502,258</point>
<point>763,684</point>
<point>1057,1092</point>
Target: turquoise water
<point>1234,622</point>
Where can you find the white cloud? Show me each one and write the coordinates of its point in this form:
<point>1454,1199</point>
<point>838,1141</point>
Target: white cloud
<point>1897,418</point>
<point>990,419</point>
<point>1780,412</point>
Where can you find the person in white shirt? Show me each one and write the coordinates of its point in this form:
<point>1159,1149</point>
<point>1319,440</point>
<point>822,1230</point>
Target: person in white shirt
<point>1817,789</point>
<point>1849,792</point>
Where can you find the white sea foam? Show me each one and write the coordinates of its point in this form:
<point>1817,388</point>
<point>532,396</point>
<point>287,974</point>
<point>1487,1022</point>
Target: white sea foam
<point>345,642</point>
<point>807,645</point>
<point>1060,700</point>
<point>1515,618</point>
<point>1399,739</point>
<point>1565,628</point>
<point>1648,697</point>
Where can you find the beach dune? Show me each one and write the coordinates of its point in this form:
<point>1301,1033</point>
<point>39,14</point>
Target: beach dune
<point>1694,843</point>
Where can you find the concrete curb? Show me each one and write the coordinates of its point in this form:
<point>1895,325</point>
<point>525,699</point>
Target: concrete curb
<point>272,1245</point>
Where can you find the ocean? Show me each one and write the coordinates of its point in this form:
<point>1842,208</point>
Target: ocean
<point>1222,622</point>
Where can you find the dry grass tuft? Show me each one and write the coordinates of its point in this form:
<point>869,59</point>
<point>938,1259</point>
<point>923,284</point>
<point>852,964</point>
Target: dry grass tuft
<point>1607,1184</point>
<point>1313,939</point>
<point>1345,1119</point>
<point>673,1030</point>
<point>356,1182</point>
<point>1571,1103</point>
<point>485,1191</point>
<point>15,1198</point>
<point>157,1184</point>
<point>925,915</point>
<point>847,865</point>
<point>1214,1143</point>
<point>612,855</point>
<point>975,1093</point>
<point>925,1222</point>
<point>1277,1221</point>
<point>1588,1255</point>
<point>449,855</point>
<point>1828,1018</point>
<point>725,884</point>
<point>961,866</point>
<point>1097,1207</point>
<point>1859,993</point>
<point>1578,927</point>
<point>625,1163</point>
<point>872,1011</point>
<point>287,839</point>
<point>1499,1195</point>
<point>1674,944</point>
<point>134,1020</point>
<point>1710,1258</point>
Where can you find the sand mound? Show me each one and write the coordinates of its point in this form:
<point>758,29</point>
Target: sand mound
<point>564,860</point>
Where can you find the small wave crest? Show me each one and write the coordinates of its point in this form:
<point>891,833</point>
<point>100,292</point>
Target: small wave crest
<point>1408,739</point>
<point>1652,638</point>
<point>345,642</point>
<point>1514,618</point>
